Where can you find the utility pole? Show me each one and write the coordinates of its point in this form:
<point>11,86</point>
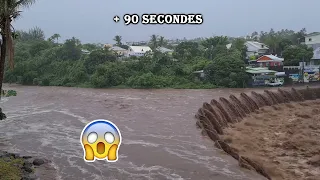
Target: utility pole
<point>211,48</point>
<point>303,69</point>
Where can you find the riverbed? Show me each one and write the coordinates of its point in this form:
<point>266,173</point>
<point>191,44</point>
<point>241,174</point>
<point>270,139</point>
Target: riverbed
<point>160,138</point>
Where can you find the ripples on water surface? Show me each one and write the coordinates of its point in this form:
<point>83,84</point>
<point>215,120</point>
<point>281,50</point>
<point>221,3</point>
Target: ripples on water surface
<point>160,139</point>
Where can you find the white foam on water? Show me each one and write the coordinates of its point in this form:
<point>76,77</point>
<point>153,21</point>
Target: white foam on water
<point>139,142</point>
<point>28,113</point>
<point>4,99</point>
<point>80,118</point>
<point>129,129</point>
<point>153,171</point>
<point>58,176</point>
<point>74,164</point>
<point>171,176</point>
<point>192,159</point>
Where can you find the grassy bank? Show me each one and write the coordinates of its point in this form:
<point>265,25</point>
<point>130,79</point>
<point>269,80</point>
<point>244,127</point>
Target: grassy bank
<point>11,168</point>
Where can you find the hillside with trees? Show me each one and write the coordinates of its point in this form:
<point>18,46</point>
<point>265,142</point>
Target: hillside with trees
<point>50,62</point>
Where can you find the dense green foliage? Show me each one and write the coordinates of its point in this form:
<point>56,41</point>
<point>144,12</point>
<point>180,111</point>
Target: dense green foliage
<point>46,62</point>
<point>296,54</point>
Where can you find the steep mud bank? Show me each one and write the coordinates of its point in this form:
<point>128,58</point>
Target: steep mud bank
<point>274,133</point>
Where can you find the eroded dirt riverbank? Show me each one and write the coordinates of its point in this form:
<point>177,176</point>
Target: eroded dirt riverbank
<point>273,133</point>
<point>160,140</point>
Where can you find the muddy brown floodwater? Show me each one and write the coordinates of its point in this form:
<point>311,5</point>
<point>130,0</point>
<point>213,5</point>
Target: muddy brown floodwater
<point>160,139</point>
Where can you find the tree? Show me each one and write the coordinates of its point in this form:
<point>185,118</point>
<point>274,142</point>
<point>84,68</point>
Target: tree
<point>55,37</point>
<point>186,50</point>
<point>227,70</point>
<point>9,10</point>
<point>294,54</point>
<point>154,42</point>
<point>98,57</point>
<point>213,42</point>
<point>71,49</point>
<point>161,41</point>
<point>118,39</point>
<point>239,44</point>
<point>90,47</point>
<point>36,34</point>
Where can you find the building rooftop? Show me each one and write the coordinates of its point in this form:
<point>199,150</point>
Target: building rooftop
<point>259,70</point>
<point>117,48</point>
<point>140,49</point>
<point>164,50</point>
<point>313,34</point>
<point>257,44</point>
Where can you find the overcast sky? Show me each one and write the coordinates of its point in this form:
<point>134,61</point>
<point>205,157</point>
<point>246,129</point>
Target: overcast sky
<point>92,20</point>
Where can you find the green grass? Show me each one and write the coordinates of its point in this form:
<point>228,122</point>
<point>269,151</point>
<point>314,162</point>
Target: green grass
<point>10,168</point>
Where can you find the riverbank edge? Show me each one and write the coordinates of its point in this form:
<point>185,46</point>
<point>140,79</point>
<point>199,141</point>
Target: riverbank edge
<point>183,86</point>
<point>14,166</point>
<point>211,115</point>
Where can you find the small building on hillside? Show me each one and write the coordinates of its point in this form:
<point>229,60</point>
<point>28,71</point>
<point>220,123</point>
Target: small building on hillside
<point>255,48</point>
<point>312,40</point>
<point>315,60</point>
<point>270,61</point>
<point>165,50</point>
<point>84,51</point>
<point>107,46</point>
<point>138,50</point>
<point>262,76</point>
<point>119,51</point>
<point>199,75</point>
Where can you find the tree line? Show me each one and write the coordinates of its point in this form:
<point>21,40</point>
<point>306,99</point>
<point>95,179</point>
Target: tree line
<point>48,62</point>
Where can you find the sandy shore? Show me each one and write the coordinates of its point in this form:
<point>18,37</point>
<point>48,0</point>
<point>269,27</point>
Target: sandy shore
<point>284,139</point>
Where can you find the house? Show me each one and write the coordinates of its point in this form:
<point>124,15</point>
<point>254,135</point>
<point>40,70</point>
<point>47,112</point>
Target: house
<point>107,45</point>
<point>165,50</point>
<point>313,40</point>
<point>262,76</point>
<point>119,51</point>
<point>255,48</point>
<point>138,50</point>
<point>84,51</point>
<point>270,61</point>
<point>315,60</point>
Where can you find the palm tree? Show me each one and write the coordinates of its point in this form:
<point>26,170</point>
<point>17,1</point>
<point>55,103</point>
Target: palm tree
<point>161,41</point>
<point>118,39</point>
<point>56,37</point>
<point>9,10</point>
<point>154,42</point>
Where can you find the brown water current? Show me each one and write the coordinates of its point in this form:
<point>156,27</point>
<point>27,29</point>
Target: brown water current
<point>160,138</point>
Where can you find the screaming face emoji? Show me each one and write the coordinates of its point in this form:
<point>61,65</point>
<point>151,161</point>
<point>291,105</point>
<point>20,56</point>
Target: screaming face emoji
<point>100,140</point>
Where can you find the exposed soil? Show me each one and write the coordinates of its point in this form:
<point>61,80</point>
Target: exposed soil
<point>275,133</point>
<point>283,138</point>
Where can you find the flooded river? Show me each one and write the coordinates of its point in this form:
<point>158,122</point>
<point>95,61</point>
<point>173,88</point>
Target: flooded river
<point>160,139</point>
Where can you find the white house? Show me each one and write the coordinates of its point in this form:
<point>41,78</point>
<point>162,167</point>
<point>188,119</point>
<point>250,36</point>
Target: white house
<point>256,48</point>
<point>313,40</point>
<point>119,51</point>
<point>138,50</point>
<point>165,50</point>
<point>84,51</point>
